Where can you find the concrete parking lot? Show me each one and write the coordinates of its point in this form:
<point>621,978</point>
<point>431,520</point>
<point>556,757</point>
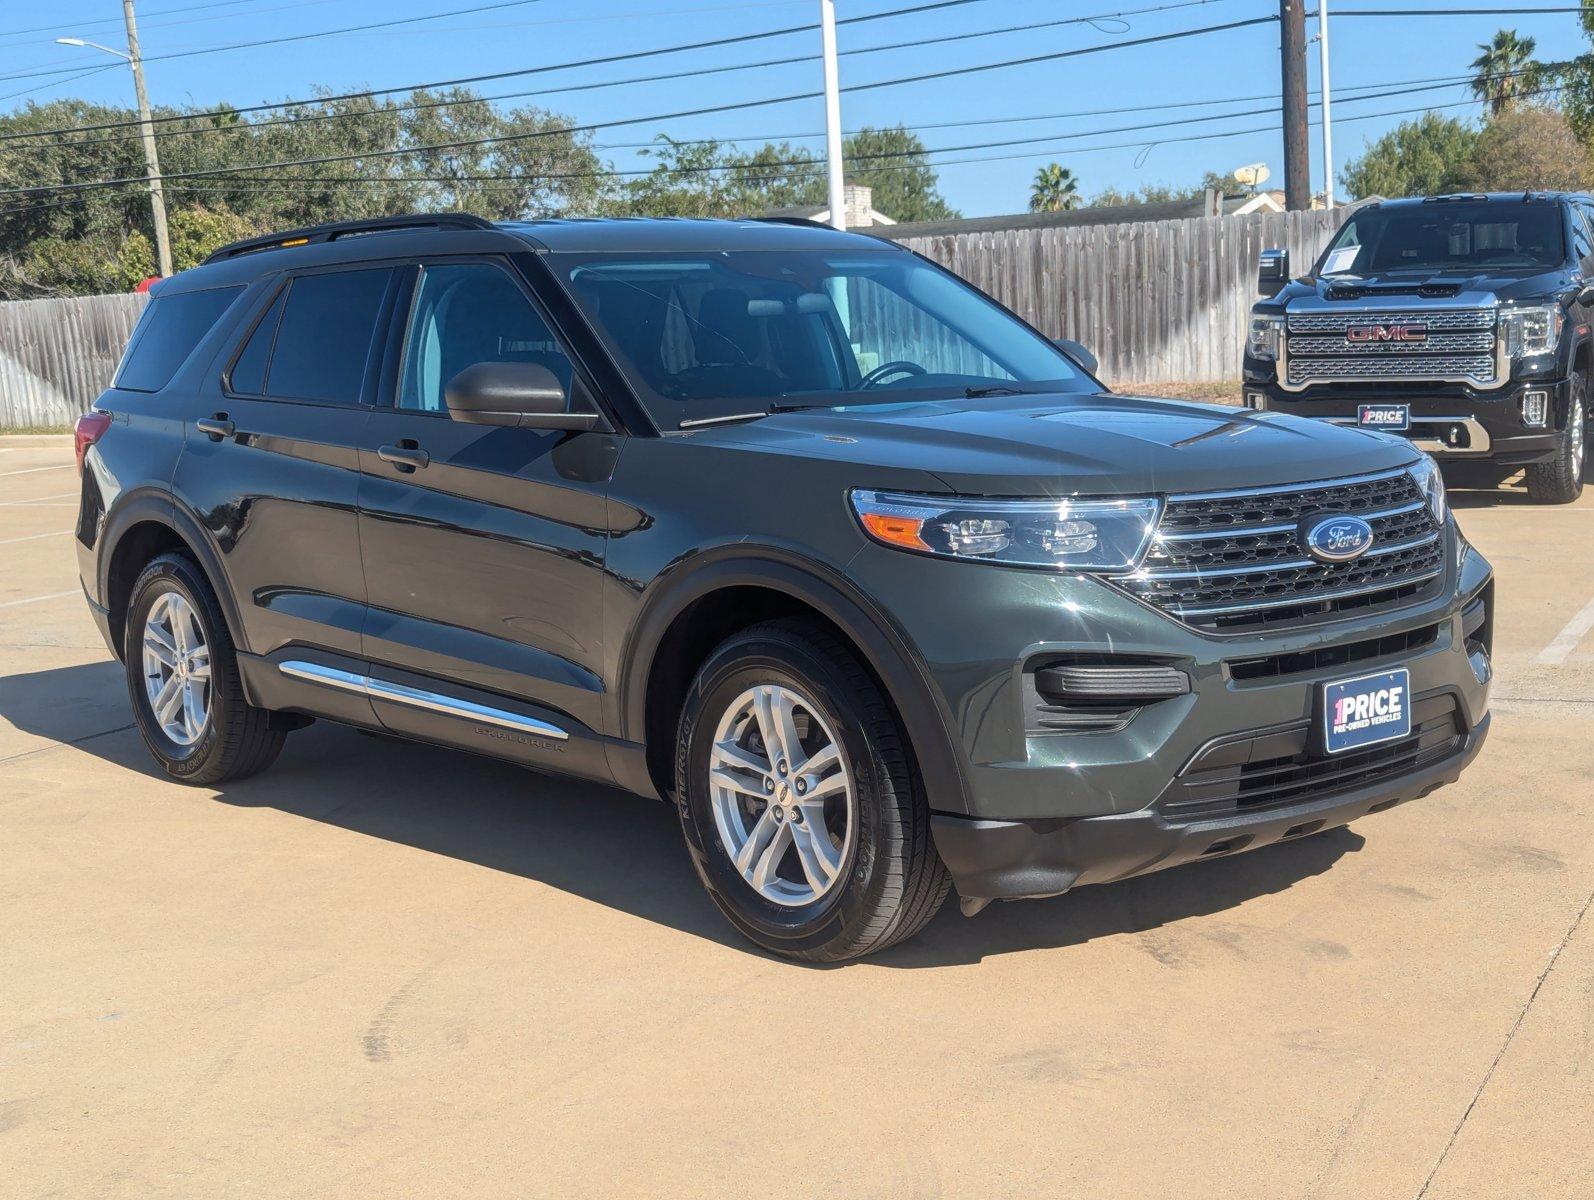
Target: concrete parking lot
<point>386,970</point>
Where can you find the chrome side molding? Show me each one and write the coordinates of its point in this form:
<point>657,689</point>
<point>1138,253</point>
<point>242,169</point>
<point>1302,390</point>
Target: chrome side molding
<point>398,693</point>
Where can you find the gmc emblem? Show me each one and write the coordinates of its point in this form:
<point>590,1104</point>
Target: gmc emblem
<point>1387,333</point>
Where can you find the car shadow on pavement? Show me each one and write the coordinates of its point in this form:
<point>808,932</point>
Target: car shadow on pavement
<point>608,846</point>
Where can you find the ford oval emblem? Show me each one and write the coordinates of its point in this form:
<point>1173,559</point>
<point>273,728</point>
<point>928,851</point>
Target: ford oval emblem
<point>1336,539</point>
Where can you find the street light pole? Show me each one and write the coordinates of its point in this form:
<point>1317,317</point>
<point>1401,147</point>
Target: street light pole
<point>152,166</point>
<point>1328,115</point>
<point>827,30</point>
<point>157,197</point>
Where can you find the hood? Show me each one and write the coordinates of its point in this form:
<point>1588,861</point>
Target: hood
<point>1065,444</point>
<point>1418,289</point>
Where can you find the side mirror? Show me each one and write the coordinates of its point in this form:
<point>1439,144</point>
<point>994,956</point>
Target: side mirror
<point>519,395</point>
<point>1272,272</point>
<point>1077,352</point>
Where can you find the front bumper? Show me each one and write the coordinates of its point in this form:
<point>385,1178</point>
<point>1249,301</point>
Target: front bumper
<point>1452,422</point>
<point>1045,810</point>
<point>1010,860</point>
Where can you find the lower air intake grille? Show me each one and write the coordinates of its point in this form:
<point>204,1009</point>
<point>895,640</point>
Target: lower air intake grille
<point>1276,768</point>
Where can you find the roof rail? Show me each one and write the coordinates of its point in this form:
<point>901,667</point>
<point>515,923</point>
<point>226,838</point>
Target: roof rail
<point>1453,197</point>
<point>807,222</point>
<point>333,230</point>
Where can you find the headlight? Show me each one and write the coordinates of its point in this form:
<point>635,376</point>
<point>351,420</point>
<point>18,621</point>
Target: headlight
<point>1264,338</point>
<point>1066,535</point>
<point>1426,473</point>
<point>1531,330</point>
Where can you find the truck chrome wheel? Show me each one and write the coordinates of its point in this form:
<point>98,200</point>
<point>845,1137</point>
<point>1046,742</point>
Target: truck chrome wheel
<point>177,669</point>
<point>783,800</point>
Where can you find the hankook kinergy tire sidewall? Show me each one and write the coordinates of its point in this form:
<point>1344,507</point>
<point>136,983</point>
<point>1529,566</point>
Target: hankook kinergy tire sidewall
<point>812,925</point>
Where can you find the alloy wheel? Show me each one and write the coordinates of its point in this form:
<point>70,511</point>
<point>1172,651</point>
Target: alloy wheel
<point>177,669</point>
<point>783,799</point>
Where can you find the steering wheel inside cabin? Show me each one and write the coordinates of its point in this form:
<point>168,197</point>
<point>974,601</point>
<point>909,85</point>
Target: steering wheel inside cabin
<point>886,370</point>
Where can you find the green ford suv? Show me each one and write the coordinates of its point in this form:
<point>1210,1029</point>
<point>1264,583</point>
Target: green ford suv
<point>789,528</point>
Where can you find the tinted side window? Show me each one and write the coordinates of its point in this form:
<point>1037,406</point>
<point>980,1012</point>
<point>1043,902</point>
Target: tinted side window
<point>248,374</point>
<point>167,335</point>
<point>464,314</point>
<point>324,336</point>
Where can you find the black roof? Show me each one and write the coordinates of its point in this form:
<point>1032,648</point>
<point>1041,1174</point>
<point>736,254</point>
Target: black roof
<point>1482,198</point>
<point>639,234</point>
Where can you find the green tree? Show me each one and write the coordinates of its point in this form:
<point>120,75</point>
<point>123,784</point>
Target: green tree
<point>1421,157</point>
<point>1527,148</point>
<point>713,179</point>
<point>1505,70</point>
<point>535,165</point>
<point>1054,190</point>
<point>894,162</point>
<point>1167,193</point>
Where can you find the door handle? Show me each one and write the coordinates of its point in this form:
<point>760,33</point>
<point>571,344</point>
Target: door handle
<point>406,456</point>
<point>216,427</point>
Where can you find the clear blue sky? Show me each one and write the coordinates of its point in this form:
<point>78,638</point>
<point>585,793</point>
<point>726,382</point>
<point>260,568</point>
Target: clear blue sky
<point>1238,67</point>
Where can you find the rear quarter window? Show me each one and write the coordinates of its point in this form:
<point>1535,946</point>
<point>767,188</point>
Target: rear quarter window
<point>167,334</point>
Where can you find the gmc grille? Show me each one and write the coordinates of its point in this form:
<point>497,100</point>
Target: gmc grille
<point>1456,345</point>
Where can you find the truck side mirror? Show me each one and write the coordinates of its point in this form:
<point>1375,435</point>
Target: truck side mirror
<point>1077,352</point>
<point>1272,272</point>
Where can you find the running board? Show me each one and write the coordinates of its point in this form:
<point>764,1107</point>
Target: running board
<point>398,693</point>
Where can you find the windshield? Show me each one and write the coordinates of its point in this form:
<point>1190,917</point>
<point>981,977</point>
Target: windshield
<point>1448,237</point>
<point>704,335</point>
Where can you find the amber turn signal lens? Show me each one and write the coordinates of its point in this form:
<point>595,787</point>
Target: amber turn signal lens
<point>895,530</point>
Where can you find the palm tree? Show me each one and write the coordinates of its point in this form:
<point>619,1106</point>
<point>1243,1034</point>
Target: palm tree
<point>1505,71</point>
<point>1055,189</point>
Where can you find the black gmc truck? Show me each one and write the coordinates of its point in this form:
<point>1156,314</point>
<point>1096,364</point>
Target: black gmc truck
<point>1459,322</point>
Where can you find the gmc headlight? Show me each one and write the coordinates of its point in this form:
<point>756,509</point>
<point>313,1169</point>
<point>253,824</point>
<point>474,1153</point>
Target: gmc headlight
<point>1426,473</point>
<point>1531,330</point>
<point>1265,336</point>
<point>1065,535</point>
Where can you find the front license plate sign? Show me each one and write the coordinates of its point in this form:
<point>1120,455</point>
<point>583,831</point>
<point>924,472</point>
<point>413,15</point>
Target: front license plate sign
<point>1384,416</point>
<point>1368,710</point>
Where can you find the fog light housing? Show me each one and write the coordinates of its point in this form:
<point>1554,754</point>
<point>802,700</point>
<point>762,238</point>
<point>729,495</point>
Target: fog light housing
<point>1535,409</point>
<point>1256,400</point>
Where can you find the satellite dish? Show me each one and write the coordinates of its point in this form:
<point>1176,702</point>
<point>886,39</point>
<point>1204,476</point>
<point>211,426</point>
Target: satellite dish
<point>1252,176</point>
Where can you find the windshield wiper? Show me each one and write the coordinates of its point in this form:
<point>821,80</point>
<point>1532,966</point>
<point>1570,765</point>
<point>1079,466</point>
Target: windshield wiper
<point>725,419</point>
<point>995,389</point>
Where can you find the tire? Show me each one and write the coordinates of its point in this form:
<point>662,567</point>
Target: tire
<point>234,739</point>
<point>888,881</point>
<point>1560,481</point>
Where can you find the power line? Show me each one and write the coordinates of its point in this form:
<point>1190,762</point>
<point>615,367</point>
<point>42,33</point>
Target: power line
<point>944,73</point>
<point>605,60</point>
<point>429,105</point>
<point>805,168</point>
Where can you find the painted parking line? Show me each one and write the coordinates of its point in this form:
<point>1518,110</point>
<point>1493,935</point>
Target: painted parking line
<point>35,500</point>
<point>36,470</point>
<point>40,599</point>
<point>33,537</point>
<point>1561,647</point>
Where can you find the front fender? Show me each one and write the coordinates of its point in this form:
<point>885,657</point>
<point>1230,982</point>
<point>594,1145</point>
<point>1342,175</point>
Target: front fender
<point>884,648</point>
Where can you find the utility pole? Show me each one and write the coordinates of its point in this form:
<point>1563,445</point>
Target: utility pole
<point>1297,158</point>
<point>827,30</point>
<point>157,198</point>
<point>1328,97</point>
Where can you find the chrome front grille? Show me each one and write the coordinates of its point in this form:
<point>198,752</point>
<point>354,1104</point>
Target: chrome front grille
<point>1234,560</point>
<point>1435,319</point>
<point>1459,346</point>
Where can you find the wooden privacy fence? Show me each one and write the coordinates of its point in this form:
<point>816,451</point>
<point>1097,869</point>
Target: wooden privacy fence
<point>1156,301</point>
<point>56,356</point>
